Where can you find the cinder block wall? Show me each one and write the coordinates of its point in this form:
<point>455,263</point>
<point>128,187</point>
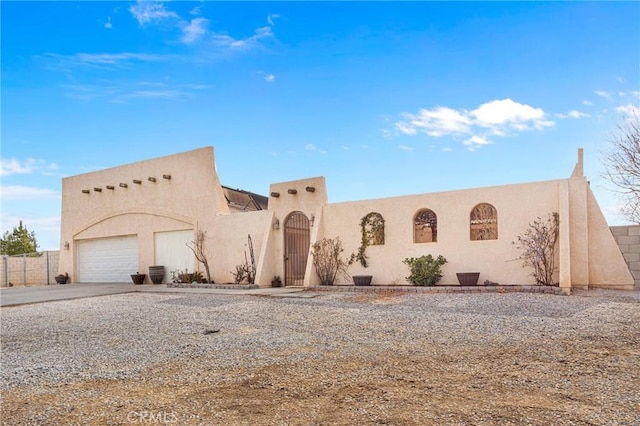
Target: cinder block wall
<point>29,271</point>
<point>628,239</point>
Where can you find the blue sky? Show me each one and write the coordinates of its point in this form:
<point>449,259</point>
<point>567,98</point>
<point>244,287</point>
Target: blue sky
<point>381,98</point>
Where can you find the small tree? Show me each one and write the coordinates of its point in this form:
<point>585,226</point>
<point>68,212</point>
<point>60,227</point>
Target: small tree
<point>622,166</point>
<point>538,247</point>
<point>424,270</point>
<point>19,241</point>
<point>328,261</point>
<point>199,249</point>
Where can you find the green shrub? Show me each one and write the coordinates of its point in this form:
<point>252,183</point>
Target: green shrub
<point>424,270</point>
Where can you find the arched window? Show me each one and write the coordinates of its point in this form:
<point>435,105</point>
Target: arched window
<point>483,222</point>
<point>425,227</point>
<point>373,229</point>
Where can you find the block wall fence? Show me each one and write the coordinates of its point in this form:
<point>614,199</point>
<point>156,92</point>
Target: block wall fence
<point>27,271</point>
<point>628,239</point>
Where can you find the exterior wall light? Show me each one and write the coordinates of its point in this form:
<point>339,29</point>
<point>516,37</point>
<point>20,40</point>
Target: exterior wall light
<point>111,187</point>
<point>292,191</point>
<point>137,181</point>
<point>152,179</point>
<point>166,176</point>
<point>310,189</point>
<point>85,191</point>
<point>275,194</point>
<point>66,245</point>
<point>123,185</point>
<point>276,224</point>
<point>312,220</point>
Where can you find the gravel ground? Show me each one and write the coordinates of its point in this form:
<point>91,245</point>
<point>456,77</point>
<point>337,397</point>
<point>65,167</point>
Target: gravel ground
<point>336,358</point>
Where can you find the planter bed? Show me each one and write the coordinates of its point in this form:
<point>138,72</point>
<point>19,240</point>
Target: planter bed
<point>215,286</point>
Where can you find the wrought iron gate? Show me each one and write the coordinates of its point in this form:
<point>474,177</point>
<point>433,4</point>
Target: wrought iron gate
<point>296,248</point>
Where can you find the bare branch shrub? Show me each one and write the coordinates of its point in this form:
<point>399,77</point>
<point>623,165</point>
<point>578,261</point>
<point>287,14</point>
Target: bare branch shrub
<point>622,166</point>
<point>328,261</point>
<point>246,271</point>
<point>199,249</point>
<point>538,247</point>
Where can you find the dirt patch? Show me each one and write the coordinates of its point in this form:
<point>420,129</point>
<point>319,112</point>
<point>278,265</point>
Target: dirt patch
<point>512,386</point>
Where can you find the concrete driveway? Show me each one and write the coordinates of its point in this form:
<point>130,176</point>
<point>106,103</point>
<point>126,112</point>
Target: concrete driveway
<point>24,295</point>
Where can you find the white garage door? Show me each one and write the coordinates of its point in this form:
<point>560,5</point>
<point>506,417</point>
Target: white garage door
<point>108,260</point>
<point>171,251</point>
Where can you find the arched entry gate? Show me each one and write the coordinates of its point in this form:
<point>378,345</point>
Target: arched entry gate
<point>296,247</point>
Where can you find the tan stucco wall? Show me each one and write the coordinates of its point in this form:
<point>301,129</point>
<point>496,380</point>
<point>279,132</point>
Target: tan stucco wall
<point>193,199</point>
<point>189,200</point>
<point>517,205</point>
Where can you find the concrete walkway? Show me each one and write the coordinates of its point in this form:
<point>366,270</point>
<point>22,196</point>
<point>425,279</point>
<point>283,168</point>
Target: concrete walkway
<point>25,295</point>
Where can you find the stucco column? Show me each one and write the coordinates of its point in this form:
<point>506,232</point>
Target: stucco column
<point>565,238</point>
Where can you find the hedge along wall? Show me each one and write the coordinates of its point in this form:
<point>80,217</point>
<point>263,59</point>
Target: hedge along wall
<point>33,269</point>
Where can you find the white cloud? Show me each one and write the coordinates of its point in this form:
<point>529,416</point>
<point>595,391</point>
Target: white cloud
<point>19,192</point>
<point>573,114</point>
<point>107,24</point>
<point>578,114</point>
<point>196,10</point>
<point>147,12</point>
<point>506,112</point>
<point>435,122</point>
<point>629,110</point>
<point>475,142</point>
<point>312,147</point>
<point>271,17</point>
<point>12,166</point>
<point>270,78</point>
<point>498,118</point>
<point>406,148</point>
<point>195,30</point>
<point>587,103</point>
<point>635,93</point>
<point>602,94</point>
<point>224,40</point>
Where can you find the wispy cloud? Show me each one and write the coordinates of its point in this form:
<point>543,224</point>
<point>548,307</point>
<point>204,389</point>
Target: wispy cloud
<point>226,41</point>
<point>12,166</point>
<point>603,94</point>
<point>108,24</point>
<point>122,92</point>
<point>475,142</point>
<point>406,148</point>
<point>573,114</point>
<point>150,12</point>
<point>194,30</point>
<point>271,17</point>
<point>495,118</point>
<point>629,110</point>
<point>587,103</point>
<point>312,147</point>
<point>270,78</point>
<point>104,61</point>
<point>19,192</point>
<point>155,13</point>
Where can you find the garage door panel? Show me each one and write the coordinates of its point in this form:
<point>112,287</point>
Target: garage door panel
<point>108,259</point>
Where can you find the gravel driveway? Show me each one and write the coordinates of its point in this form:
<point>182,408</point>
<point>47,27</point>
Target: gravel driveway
<point>336,358</point>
